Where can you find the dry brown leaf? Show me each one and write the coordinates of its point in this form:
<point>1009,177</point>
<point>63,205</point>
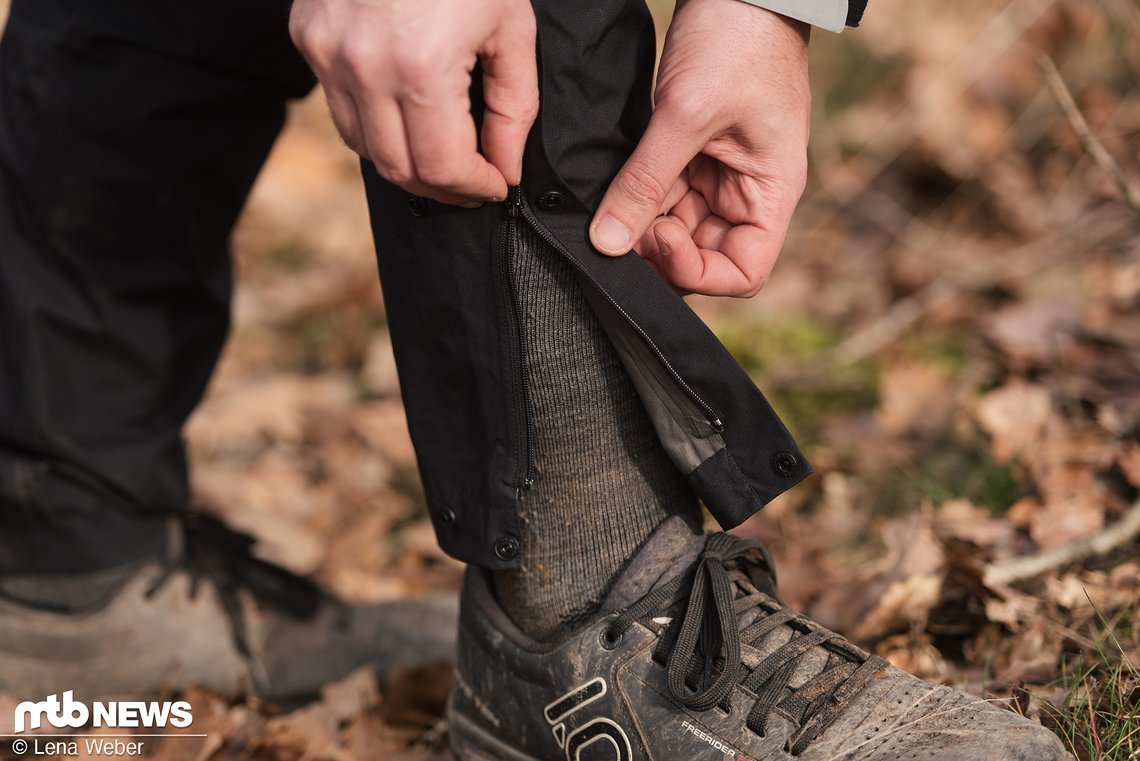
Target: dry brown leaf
<point>1015,416</point>
<point>909,582</point>
<point>1129,461</point>
<point>914,398</point>
<point>245,419</point>
<point>961,519</point>
<point>1072,506</point>
<point>1104,592</point>
<point>309,733</point>
<point>352,695</point>
<point>384,426</point>
<point>1032,658</point>
<point>417,695</point>
<point>378,374</point>
<point>1031,333</point>
<point>224,725</point>
<point>915,653</point>
<point>1012,608</point>
<point>906,602</point>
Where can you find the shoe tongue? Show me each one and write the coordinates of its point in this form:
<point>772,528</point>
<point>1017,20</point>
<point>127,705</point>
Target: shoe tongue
<point>669,551</point>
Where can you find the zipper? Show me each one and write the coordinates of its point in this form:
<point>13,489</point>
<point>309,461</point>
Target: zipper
<point>524,413</point>
<point>518,207</point>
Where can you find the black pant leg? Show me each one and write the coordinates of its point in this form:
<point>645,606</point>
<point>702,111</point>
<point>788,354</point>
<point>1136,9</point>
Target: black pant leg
<point>130,134</point>
<point>449,298</point>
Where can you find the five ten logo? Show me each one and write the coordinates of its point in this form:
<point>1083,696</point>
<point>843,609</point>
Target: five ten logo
<point>74,714</point>
<point>578,739</point>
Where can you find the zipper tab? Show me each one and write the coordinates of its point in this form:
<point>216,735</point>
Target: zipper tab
<point>514,201</point>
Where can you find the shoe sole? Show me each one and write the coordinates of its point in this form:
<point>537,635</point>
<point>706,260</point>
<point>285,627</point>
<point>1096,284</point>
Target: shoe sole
<point>470,742</point>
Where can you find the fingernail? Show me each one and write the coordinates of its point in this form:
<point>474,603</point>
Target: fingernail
<point>666,249</point>
<point>518,174</point>
<point>611,236</point>
<point>472,205</point>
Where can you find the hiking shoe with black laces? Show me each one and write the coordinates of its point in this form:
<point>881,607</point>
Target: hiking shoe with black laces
<point>694,657</point>
<point>210,615</point>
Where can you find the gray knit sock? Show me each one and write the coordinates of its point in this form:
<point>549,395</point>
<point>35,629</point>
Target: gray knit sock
<point>602,479</point>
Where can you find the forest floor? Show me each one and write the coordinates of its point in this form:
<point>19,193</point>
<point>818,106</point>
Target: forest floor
<point>953,334</point>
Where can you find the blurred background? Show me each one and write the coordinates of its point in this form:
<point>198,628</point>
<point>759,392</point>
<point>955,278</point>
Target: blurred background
<point>953,333</point>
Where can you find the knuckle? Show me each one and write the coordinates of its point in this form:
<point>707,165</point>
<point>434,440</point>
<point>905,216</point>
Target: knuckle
<point>520,19</point>
<point>358,55</point>
<point>690,109</point>
<point>640,185</point>
<point>394,174</point>
<point>451,174</point>
<point>300,29</point>
<point>527,110</point>
<point>353,141</point>
<point>312,41</point>
<point>414,64</point>
<point>437,176</point>
<point>799,175</point>
<point>753,283</point>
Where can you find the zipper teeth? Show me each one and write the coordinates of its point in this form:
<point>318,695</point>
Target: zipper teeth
<point>526,477</point>
<point>519,200</point>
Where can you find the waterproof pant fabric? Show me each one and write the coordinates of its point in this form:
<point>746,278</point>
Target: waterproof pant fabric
<point>129,137</point>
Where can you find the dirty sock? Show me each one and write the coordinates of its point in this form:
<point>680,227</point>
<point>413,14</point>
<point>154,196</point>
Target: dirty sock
<point>602,481</point>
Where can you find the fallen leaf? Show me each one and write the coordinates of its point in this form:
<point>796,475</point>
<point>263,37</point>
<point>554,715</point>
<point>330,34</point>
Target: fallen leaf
<point>1072,508</point>
<point>961,519</point>
<point>914,398</point>
<point>1015,416</point>
<point>1030,333</point>
<point>378,374</point>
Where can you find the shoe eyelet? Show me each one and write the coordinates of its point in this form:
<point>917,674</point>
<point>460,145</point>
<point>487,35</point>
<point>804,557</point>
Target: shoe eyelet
<point>608,642</point>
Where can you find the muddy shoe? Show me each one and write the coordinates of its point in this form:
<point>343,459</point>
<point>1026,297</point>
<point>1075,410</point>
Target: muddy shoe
<point>212,616</point>
<point>707,664</point>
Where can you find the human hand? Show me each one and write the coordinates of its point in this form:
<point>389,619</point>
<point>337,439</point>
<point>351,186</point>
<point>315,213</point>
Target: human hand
<point>725,153</point>
<point>396,74</point>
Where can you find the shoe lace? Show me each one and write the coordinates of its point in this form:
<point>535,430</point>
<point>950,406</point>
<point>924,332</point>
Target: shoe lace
<point>702,647</point>
<point>208,550</point>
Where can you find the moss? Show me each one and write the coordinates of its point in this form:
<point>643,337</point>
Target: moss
<point>804,404</point>
<point>950,470</point>
<point>761,347</point>
<point>948,350</point>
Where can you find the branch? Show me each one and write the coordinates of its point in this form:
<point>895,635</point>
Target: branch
<point>1095,148</point>
<point>1017,569</point>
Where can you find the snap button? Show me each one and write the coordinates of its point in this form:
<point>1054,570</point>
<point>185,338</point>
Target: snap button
<point>785,464</point>
<point>507,548</point>
<point>417,205</point>
<point>447,517</point>
<point>549,201</point>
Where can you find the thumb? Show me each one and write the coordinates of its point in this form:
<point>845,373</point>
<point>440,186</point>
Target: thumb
<point>510,92</point>
<point>636,196</point>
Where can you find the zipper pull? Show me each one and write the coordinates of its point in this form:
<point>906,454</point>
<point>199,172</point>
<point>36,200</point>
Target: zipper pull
<point>514,201</point>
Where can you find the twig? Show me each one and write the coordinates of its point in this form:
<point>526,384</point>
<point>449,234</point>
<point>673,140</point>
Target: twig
<point>1029,258</point>
<point>1019,569</point>
<point>1096,149</point>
